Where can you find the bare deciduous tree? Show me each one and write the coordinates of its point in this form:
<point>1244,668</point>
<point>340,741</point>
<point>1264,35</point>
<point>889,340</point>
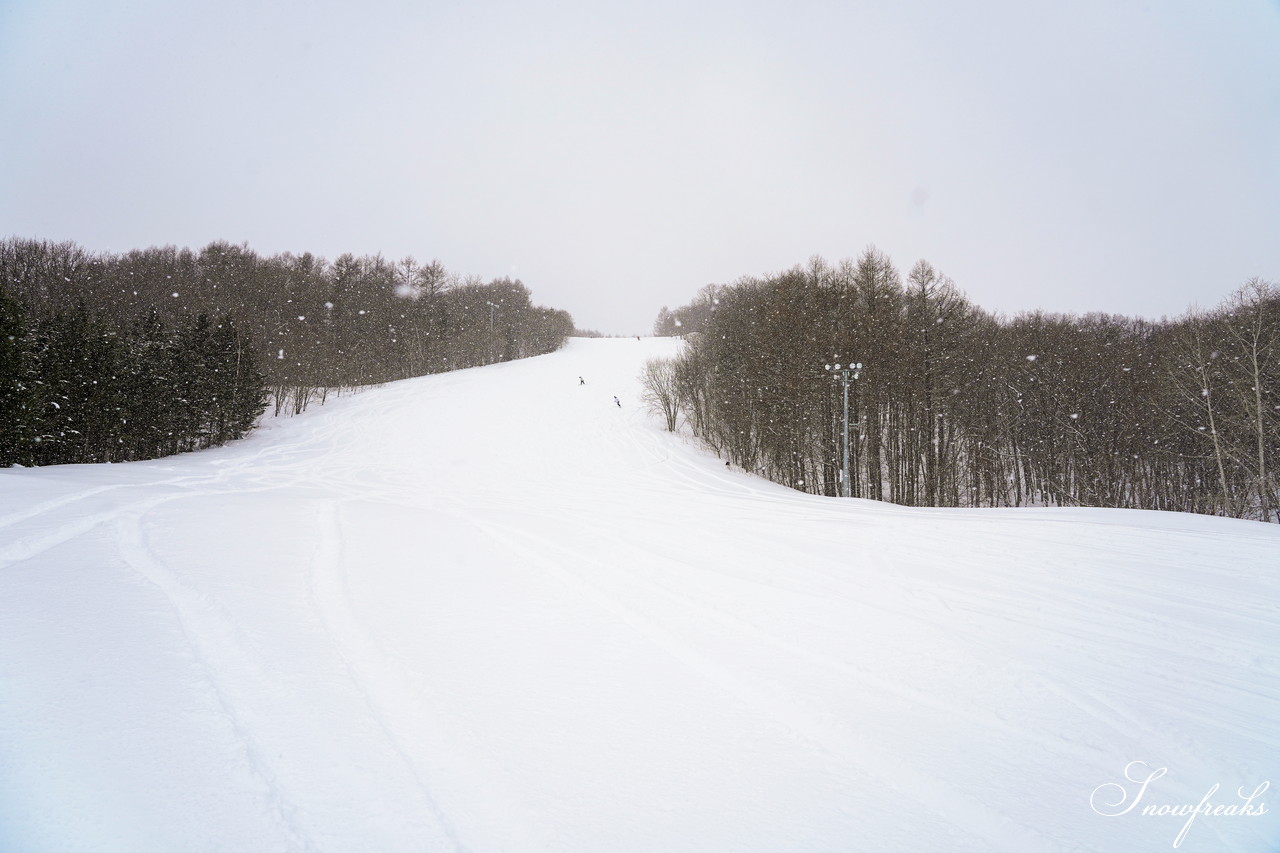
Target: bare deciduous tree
<point>661,389</point>
<point>955,406</point>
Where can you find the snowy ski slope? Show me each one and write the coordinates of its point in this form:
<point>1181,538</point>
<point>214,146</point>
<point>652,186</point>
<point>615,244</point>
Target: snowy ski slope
<point>492,611</point>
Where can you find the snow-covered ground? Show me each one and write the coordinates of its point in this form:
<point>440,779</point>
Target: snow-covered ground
<point>492,611</point>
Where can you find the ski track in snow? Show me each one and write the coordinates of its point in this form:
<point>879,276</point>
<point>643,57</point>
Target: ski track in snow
<point>214,639</point>
<point>973,816</point>
<point>490,610</point>
<point>373,673</point>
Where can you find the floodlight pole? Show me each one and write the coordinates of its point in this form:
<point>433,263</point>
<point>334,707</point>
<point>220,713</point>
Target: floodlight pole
<point>846,486</point>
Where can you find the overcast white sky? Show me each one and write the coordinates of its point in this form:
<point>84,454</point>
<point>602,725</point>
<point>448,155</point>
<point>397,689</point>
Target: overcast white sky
<point>1105,155</point>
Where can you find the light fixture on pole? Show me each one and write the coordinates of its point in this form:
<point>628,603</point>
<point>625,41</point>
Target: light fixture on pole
<point>845,372</point>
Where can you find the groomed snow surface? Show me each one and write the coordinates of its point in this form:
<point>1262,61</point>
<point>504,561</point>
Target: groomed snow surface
<point>492,611</point>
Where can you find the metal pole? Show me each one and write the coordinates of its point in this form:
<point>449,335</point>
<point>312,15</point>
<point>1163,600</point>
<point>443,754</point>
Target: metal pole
<point>846,486</point>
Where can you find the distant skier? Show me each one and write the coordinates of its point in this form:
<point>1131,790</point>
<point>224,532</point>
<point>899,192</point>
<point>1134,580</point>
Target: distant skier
<point>617,402</point>
<point>581,381</point>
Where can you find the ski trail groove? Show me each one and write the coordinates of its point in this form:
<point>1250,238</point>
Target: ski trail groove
<point>56,503</point>
<point>971,816</point>
<point>211,641</point>
<point>33,546</point>
<point>373,674</point>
